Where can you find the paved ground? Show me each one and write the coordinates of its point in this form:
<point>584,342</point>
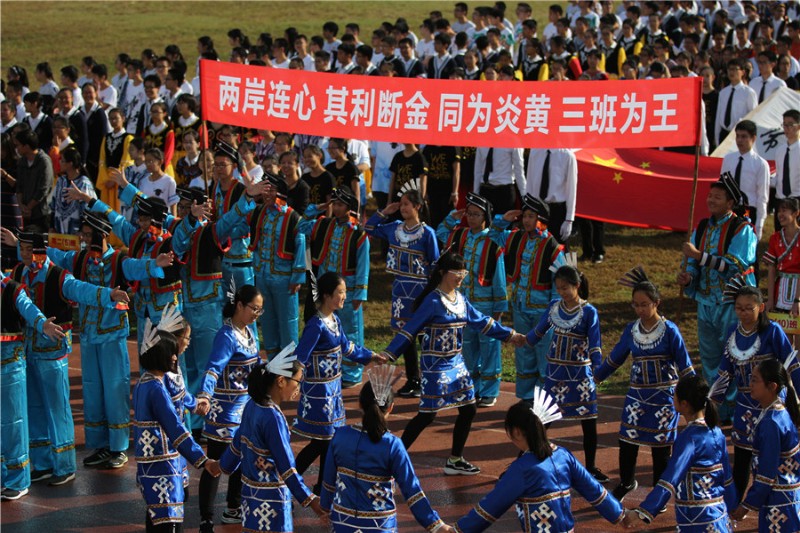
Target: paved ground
<point>106,501</point>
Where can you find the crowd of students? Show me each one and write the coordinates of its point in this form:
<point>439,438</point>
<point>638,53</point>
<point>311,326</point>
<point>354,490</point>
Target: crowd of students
<point>210,227</point>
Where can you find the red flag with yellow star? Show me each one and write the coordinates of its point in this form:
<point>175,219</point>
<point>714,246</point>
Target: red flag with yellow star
<point>642,187</point>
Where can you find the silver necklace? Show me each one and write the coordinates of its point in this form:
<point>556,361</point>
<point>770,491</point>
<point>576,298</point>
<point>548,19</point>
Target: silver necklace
<point>736,352</point>
<point>454,306</point>
<point>330,323</point>
<point>566,324</point>
<point>408,236</point>
<point>648,339</point>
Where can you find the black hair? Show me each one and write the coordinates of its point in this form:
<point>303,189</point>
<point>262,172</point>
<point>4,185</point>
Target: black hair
<point>793,114</point>
<point>649,289</point>
<point>574,277</point>
<point>749,290</point>
<point>415,197</point>
<point>773,371</point>
<point>100,70</point>
<point>326,284</point>
<point>206,42</point>
<point>694,389</point>
<point>521,417</point>
<point>447,261</point>
<point>27,137</point>
<point>260,381</point>
<point>70,72</point>
<point>159,357</point>
<point>747,126</point>
<point>173,49</point>
<point>138,143</point>
<point>791,202</point>
<point>33,97</point>
<point>21,74</point>
<point>45,69</point>
<point>374,418</point>
<point>72,156</point>
<point>237,35</point>
<point>244,295</point>
<point>721,186</point>
<point>331,27</point>
<point>154,79</point>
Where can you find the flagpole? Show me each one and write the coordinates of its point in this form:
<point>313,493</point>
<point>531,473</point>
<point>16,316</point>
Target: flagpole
<point>205,159</point>
<point>695,178</point>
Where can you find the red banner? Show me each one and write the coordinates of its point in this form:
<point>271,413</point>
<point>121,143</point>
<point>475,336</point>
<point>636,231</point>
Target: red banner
<point>644,188</point>
<point>585,114</point>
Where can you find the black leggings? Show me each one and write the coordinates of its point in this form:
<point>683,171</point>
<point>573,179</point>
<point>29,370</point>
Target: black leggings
<point>169,527</point>
<point>741,470</point>
<point>210,484</point>
<point>589,428</point>
<point>315,448</point>
<point>460,430</point>
<point>629,453</point>
<point>411,361</point>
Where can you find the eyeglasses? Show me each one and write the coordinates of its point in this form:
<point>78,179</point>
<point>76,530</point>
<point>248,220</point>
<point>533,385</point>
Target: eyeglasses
<point>790,125</point>
<point>258,311</point>
<point>459,273</point>
<point>748,309</point>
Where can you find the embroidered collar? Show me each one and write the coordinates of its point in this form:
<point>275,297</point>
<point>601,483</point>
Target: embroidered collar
<point>331,323</point>
<point>647,340</point>
<point>408,236</point>
<point>736,352</point>
<point>564,319</point>
<point>789,245</point>
<point>774,406</point>
<point>456,306</point>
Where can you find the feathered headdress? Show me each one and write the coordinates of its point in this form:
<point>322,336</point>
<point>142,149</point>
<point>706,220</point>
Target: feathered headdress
<point>545,407</point>
<point>150,337</point>
<point>283,363</point>
<point>312,277</point>
<point>568,259</point>
<point>410,185</point>
<point>719,386</point>
<point>171,319</point>
<point>633,277</point>
<point>231,292</point>
<point>732,288</point>
<point>382,379</point>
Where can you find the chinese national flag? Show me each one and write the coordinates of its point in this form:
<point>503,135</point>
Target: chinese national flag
<point>642,187</point>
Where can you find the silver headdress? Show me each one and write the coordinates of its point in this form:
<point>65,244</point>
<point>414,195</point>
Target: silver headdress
<point>732,288</point>
<point>231,292</point>
<point>568,259</point>
<point>410,185</point>
<point>382,379</point>
<point>545,407</point>
<point>150,337</point>
<point>283,363</point>
<point>632,277</point>
<point>719,386</point>
<point>171,319</point>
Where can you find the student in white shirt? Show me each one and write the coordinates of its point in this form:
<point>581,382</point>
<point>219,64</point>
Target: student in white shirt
<point>44,75</point>
<point>462,22</point>
<point>425,45</point>
<point>344,58</point>
<point>119,79</point>
<point>750,171</point>
<point>553,178</point>
<point>158,183</point>
<point>499,174</point>
<point>735,101</point>
<point>329,31</point>
<point>787,159</point>
<point>767,83</point>
<point>279,50</point>
<point>301,51</point>
<point>106,93</point>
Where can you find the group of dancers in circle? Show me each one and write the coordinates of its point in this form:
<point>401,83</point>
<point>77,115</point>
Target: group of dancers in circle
<point>444,303</point>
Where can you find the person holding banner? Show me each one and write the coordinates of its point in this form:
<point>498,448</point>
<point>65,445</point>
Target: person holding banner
<point>752,340</point>
<point>721,247</point>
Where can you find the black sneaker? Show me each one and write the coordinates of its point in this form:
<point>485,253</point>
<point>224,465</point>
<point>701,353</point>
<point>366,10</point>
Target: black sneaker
<point>462,467</point>
<point>598,475</point>
<point>63,479</point>
<point>599,258</point>
<point>232,516</point>
<point>41,475</point>
<point>662,510</point>
<point>620,491</point>
<point>117,460</point>
<point>206,526</point>
<point>411,389</point>
<point>98,458</point>
<point>487,402</point>
<point>10,494</point>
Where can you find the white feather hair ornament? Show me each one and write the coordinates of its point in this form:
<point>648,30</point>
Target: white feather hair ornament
<point>568,259</point>
<point>732,288</point>
<point>410,185</point>
<point>719,387</point>
<point>171,319</point>
<point>545,407</point>
<point>283,363</point>
<point>633,277</point>
<point>382,378</point>
<point>311,276</point>
<point>150,337</point>
<point>231,292</point>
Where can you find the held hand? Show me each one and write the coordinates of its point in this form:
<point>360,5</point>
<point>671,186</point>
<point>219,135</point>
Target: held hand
<point>7,237</point>
<point>53,330</point>
<point>203,405</point>
<point>254,190</point>
<point>379,358</point>
<point>74,194</point>
<point>511,216</point>
<point>317,508</point>
<point>691,251</point>
<point>684,279</point>
<point>446,529</point>
<point>518,340</point>
<point>387,356</point>
<point>357,304</point>
<point>212,467</point>
<point>294,288</point>
<point>739,513</point>
<point>165,260</point>
<point>565,230</point>
<point>391,209</point>
<point>119,296</point>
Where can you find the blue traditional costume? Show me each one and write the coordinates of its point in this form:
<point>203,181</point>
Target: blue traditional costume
<point>16,307</point>
<point>728,245</point>
<point>775,492</point>
<point>659,360</point>
<point>161,439</point>
<point>540,488</point>
<point>485,288</point>
<point>105,365</point>
<point>574,354</point>
<point>446,382</point>
<point>342,247</point>
<point>359,483</point>
<point>269,479</point>
<point>528,257</point>
<point>699,477</point>
<point>321,349</point>
<point>51,428</point>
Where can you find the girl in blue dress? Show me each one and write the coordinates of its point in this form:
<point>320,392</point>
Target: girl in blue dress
<point>443,313</point>
<point>223,395</point>
<point>261,448</point>
<point>364,464</point>
<point>775,493</point>
<point>539,481</point>
<point>321,349</point>
<point>412,249</point>
<point>574,355</point>
<point>161,437</point>
<point>659,360</point>
<point>698,474</point>
<point>752,340</point>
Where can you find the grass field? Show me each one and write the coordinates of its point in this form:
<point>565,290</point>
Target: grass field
<point>63,32</point>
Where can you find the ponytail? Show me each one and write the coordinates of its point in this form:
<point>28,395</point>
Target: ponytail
<point>374,419</point>
<point>694,389</point>
<point>773,371</point>
<point>520,416</point>
<point>574,277</point>
<point>447,261</point>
